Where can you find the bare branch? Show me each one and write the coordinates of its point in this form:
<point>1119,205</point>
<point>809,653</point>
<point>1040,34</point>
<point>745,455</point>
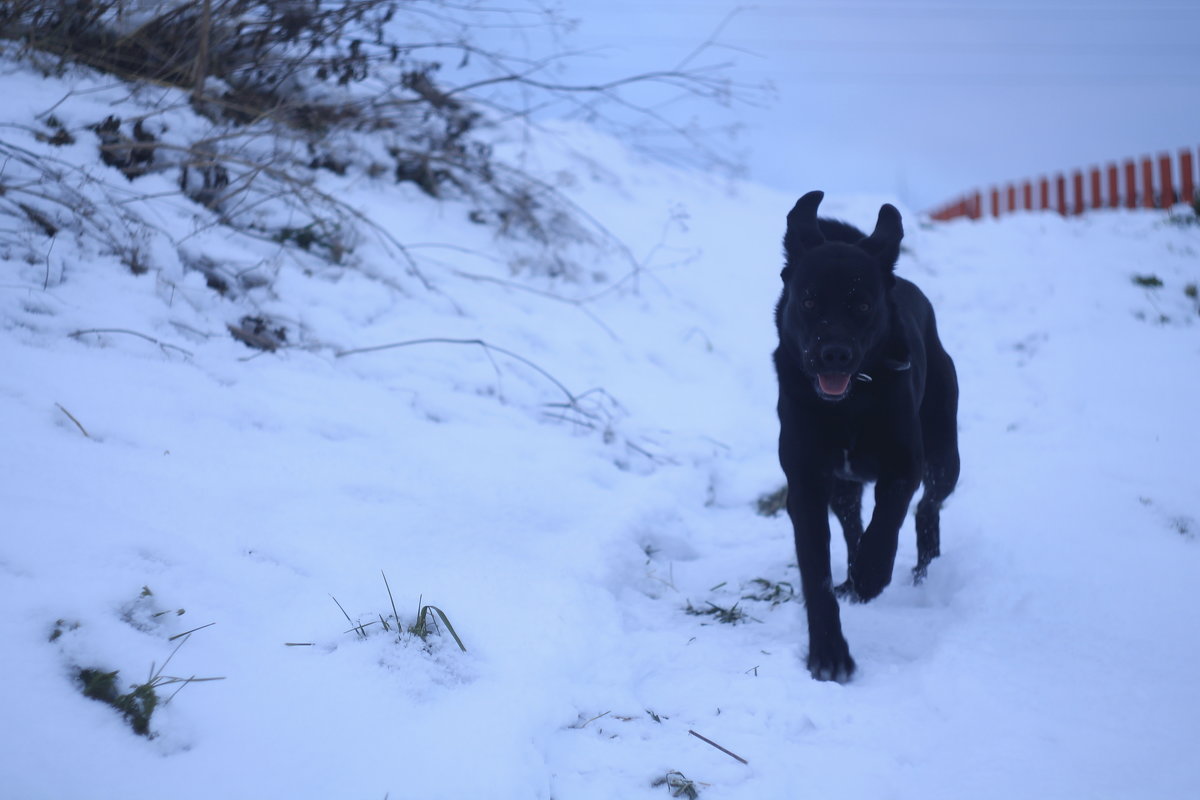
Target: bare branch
<point>163,345</point>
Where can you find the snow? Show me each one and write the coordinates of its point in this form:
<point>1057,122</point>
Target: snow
<point>1051,652</point>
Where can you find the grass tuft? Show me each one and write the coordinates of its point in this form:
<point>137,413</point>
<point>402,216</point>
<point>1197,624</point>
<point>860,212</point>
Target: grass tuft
<point>61,626</point>
<point>774,593</point>
<point>424,624</point>
<point>679,785</point>
<point>138,704</point>
<point>421,627</point>
<point>728,616</point>
<point>770,504</point>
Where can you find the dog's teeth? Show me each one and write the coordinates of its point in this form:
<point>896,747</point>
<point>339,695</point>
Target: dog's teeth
<point>862,376</point>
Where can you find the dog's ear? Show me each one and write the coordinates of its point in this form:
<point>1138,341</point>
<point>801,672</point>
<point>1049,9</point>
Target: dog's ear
<point>884,241</point>
<point>803,232</point>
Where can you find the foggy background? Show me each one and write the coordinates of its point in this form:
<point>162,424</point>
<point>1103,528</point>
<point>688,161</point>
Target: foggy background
<point>920,99</point>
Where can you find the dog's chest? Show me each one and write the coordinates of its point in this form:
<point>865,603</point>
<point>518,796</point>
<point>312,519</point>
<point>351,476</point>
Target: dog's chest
<point>856,464</point>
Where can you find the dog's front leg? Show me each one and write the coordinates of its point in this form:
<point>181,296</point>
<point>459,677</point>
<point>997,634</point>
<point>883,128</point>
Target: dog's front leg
<point>808,506</point>
<point>871,567</point>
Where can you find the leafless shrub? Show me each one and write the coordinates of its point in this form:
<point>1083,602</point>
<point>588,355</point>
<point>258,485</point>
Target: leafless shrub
<point>290,88</point>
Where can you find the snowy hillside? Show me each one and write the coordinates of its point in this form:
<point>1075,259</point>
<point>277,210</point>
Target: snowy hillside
<point>578,495</point>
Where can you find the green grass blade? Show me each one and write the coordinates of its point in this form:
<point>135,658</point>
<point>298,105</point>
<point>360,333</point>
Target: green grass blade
<point>395,613</point>
<point>449,627</point>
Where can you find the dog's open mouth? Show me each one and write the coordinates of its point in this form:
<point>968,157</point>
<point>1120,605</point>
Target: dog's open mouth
<point>834,385</point>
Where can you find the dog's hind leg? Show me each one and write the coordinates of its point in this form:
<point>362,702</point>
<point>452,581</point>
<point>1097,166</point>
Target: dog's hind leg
<point>846,503</point>
<point>940,425</point>
<point>940,479</point>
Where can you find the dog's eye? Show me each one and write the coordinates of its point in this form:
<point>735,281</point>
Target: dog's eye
<point>864,307</point>
<point>809,304</point>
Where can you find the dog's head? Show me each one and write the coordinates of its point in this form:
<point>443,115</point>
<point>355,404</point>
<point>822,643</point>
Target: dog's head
<point>835,310</point>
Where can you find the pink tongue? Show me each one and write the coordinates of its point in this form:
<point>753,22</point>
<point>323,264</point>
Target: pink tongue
<point>834,384</point>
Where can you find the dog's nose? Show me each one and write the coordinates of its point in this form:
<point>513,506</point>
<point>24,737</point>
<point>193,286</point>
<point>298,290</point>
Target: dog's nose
<point>836,357</point>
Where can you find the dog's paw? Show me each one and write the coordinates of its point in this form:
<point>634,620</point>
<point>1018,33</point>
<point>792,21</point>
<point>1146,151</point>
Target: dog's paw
<point>919,573</point>
<point>845,591</point>
<point>866,585</point>
<point>852,592</point>
<point>831,661</point>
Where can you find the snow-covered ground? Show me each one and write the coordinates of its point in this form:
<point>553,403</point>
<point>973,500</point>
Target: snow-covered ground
<point>564,494</point>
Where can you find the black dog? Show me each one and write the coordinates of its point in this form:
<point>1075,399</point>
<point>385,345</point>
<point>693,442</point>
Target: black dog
<point>866,393</point>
